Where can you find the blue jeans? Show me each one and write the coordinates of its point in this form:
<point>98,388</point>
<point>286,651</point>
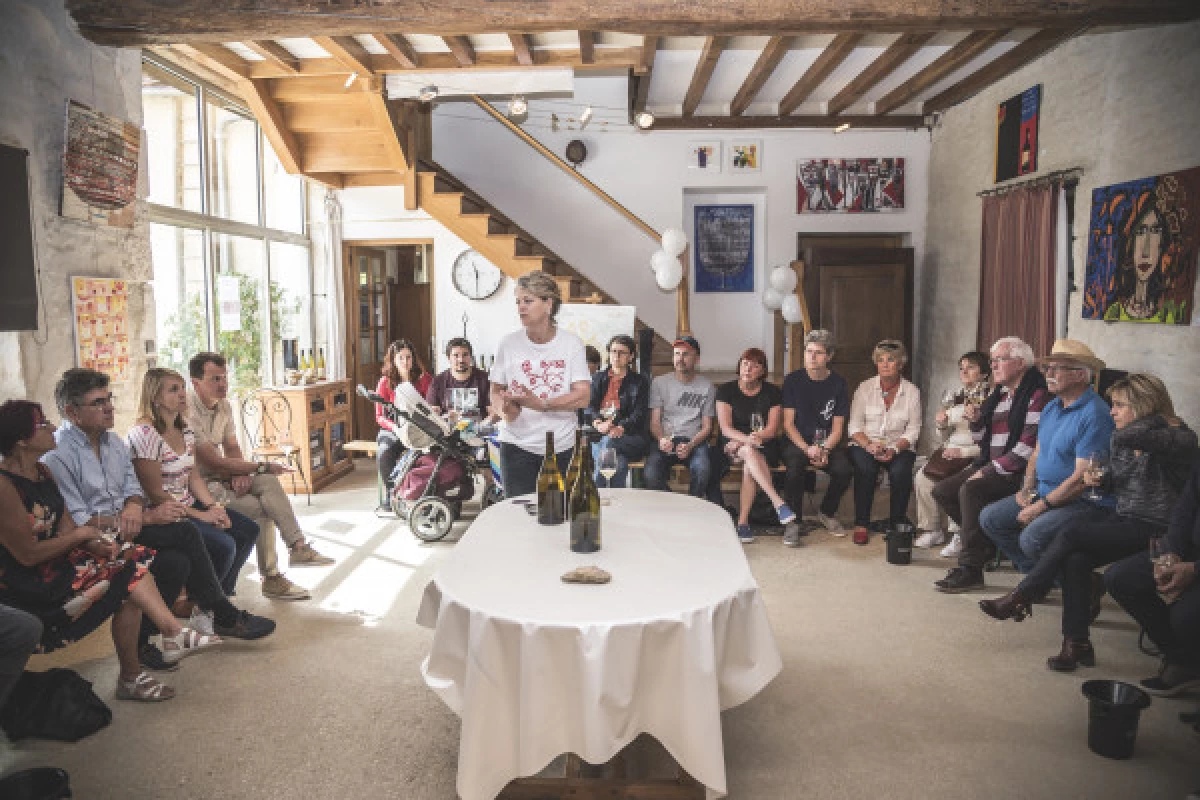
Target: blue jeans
<point>629,447</point>
<point>702,481</point>
<point>1026,545</point>
<point>228,549</point>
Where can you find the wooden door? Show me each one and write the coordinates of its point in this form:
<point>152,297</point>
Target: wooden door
<point>861,295</point>
<point>412,319</point>
<point>367,290</point>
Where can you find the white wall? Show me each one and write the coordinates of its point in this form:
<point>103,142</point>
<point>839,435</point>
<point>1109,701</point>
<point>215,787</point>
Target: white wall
<point>1122,106</point>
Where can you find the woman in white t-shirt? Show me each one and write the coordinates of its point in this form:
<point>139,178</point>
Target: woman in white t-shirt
<point>539,379</point>
<point>163,448</point>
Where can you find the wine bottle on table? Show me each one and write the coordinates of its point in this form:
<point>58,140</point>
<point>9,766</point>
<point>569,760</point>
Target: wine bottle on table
<point>573,469</point>
<point>321,364</point>
<point>585,509</point>
<point>550,487</point>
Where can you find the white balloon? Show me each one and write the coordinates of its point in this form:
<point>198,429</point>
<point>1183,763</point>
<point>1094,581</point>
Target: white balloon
<point>783,280</point>
<point>669,276</point>
<point>661,260</point>
<point>772,299</point>
<point>791,309</point>
<point>674,241</point>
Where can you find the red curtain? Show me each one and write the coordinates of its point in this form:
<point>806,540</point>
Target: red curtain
<point>1016,287</point>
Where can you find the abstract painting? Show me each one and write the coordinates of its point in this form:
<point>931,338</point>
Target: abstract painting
<point>704,156</point>
<point>724,248</point>
<point>100,168</point>
<point>849,185</point>
<point>100,307</point>
<point>1143,241</point>
<point>745,156</point>
<point>1016,134</point>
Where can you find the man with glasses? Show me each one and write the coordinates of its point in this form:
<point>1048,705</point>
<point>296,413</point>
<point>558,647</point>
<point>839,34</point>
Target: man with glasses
<point>1006,429</point>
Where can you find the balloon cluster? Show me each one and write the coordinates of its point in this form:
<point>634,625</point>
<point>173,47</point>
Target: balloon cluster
<point>668,272</point>
<point>780,294</point>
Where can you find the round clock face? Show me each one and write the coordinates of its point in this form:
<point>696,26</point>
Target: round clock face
<point>475,276</point>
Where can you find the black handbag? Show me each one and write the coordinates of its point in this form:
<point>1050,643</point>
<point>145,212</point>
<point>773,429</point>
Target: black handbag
<point>56,704</point>
<point>938,468</point>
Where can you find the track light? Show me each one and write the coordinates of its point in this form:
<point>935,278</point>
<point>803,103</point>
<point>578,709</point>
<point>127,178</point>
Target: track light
<point>350,80</point>
<point>427,93</point>
<point>644,120</point>
<point>518,107</point>
<point>845,126</point>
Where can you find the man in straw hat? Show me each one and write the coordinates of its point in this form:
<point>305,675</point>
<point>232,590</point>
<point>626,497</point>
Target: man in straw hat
<point>1075,428</point>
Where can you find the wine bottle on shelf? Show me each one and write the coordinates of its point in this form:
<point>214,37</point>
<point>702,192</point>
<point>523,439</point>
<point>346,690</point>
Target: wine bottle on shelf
<point>321,365</point>
<point>550,487</point>
<point>305,363</point>
<point>573,469</point>
<point>584,510</point>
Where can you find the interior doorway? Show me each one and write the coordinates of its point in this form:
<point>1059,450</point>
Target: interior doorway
<point>389,293</point>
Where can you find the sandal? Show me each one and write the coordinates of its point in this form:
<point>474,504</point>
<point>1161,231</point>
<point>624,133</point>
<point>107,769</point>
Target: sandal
<point>144,688</point>
<point>85,600</point>
<point>186,643</point>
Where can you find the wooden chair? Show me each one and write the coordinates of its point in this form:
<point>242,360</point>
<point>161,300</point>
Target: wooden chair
<point>267,424</point>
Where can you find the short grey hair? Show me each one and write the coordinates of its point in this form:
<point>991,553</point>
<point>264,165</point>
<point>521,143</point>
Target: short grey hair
<point>891,347</point>
<point>74,385</point>
<point>541,285</point>
<point>1016,349</point>
<point>822,337</point>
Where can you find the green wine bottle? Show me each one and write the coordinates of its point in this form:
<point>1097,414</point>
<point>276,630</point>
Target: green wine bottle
<point>550,487</point>
<point>573,470</point>
<point>585,508</point>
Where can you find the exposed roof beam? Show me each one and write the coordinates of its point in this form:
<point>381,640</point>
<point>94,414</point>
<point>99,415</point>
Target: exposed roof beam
<point>819,121</point>
<point>827,62</point>
<point>275,53</point>
<point>645,61</point>
<point>606,57</point>
<point>641,82</point>
<point>587,47</point>
<point>522,48</point>
<point>897,53</point>
<point>219,59</point>
<point>1011,61</point>
<point>971,46</point>
<point>461,47</point>
<point>348,51</point>
<point>136,22</point>
<point>713,45</point>
<point>274,126</point>
<point>399,49</point>
<point>188,63</point>
<point>771,55</point>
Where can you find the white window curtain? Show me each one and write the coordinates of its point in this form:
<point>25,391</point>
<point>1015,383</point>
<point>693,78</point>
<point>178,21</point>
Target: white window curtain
<point>327,242</point>
<point>1062,290</point>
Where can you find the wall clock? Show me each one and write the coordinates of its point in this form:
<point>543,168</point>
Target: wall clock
<point>474,276</point>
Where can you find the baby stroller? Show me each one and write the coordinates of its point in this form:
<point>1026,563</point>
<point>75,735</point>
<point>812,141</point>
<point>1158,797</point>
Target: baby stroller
<point>436,475</point>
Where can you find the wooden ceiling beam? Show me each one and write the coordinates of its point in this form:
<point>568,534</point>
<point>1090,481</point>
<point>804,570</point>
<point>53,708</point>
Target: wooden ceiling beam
<point>219,59</point>
<point>640,89</point>
<point>461,47</point>
<point>347,50</point>
<point>274,126</point>
<point>606,57</point>
<point>894,121</point>
<point>399,48</point>
<point>764,67</point>
<point>713,45</point>
<point>138,22</point>
<point>897,53</point>
<point>186,62</point>
<point>274,53</point>
<point>833,55</point>
<point>971,46</point>
<point>1014,59</point>
<point>649,50</point>
<point>522,48</point>
<point>587,47</point>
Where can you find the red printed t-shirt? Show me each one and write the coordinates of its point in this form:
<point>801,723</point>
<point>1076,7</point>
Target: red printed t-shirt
<point>547,370</point>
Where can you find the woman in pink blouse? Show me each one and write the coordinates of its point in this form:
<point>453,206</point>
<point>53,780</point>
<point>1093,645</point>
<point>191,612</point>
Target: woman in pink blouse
<point>885,421</point>
<point>400,365</point>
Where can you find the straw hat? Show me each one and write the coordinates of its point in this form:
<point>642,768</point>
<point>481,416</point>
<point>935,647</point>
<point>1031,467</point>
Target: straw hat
<point>1073,350</point>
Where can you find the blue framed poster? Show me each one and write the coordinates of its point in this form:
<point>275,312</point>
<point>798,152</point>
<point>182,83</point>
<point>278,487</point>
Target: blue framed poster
<point>724,252</point>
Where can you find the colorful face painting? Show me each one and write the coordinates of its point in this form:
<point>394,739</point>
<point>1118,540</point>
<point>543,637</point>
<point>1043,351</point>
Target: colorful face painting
<point>1143,241</point>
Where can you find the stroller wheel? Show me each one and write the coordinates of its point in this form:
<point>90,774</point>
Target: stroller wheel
<point>430,519</point>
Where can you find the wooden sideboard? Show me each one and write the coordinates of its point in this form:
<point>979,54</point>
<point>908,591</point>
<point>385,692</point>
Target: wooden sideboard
<point>320,428</point>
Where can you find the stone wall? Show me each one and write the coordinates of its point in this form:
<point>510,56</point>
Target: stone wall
<point>43,63</point>
<point>1121,105</point>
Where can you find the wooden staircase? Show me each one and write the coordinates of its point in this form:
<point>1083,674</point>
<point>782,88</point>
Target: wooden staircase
<point>512,249</point>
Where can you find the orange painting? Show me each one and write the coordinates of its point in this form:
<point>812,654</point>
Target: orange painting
<point>101,312</point>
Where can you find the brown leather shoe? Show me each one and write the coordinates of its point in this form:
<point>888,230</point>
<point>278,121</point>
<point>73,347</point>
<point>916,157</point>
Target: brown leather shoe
<point>1010,606</point>
<point>1074,653</point>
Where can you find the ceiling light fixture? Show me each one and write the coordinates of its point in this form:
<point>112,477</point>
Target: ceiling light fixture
<point>427,93</point>
<point>585,117</point>
<point>644,120</point>
<point>845,126</point>
<point>350,80</point>
<point>518,107</point>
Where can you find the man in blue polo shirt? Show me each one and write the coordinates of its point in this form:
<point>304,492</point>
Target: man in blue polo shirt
<point>1075,427</point>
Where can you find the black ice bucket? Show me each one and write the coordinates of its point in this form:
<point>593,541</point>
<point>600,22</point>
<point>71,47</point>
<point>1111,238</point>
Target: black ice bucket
<point>1113,711</point>
<point>899,538</point>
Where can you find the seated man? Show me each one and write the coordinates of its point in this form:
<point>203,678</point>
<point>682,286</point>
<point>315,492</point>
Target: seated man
<point>682,408</point>
<point>95,474</point>
<point>816,402</point>
<point>1075,426</point>
<point>20,633</point>
<point>246,487</point>
<point>463,377</point>
<point>1165,598</point>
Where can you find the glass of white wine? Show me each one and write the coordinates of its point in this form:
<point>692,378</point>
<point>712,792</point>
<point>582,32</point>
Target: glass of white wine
<point>756,422</point>
<point>606,464</point>
<point>1097,468</point>
<point>949,399</point>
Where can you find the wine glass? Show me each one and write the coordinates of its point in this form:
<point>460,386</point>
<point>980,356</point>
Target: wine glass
<point>1096,470</point>
<point>609,411</point>
<point>949,399</point>
<point>1162,558</point>
<point>607,464</point>
<point>820,435</point>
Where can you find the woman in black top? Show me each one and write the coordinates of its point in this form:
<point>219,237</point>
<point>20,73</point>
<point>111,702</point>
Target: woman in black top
<point>619,406</point>
<point>1152,452</point>
<point>750,413</point>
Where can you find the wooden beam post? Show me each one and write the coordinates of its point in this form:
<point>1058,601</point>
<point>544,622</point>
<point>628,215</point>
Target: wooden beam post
<point>275,53</point>
<point>768,60</point>
<point>713,46</point>
<point>399,48</point>
<point>796,333</point>
<point>683,321</point>
<point>522,48</point>
<point>1014,59</point>
<point>833,55</point>
<point>271,120</point>
<point>461,47</point>
<point>971,45</point>
<point>900,51</point>
<point>349,52</point>
<point>587,47</point>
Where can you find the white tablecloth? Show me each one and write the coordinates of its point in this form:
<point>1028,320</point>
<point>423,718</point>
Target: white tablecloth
<point>537,667</point>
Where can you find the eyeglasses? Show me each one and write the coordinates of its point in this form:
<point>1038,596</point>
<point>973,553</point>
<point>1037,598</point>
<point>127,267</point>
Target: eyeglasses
<point>1001,359</point>
<point>1060,368</point>
<point>100,402</point>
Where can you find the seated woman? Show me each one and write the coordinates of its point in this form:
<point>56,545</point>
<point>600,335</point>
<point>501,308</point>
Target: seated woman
<point>620,408</point>
<point>400,365</point>
<point>58,571</point>
<point>1152,452</point>
<point>163,447</point>
<point>955,444</point>
<point>750,413</point>
<point>885,421</point>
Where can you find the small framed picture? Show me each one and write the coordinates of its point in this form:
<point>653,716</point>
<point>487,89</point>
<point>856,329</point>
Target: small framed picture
<point>705,155</point>
<point>745,155</point>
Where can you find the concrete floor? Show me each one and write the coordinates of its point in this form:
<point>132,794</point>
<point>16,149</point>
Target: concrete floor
<point>889,689</point>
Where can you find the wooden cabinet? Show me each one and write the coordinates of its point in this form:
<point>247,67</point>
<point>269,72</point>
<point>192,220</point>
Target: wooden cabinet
<point>320,428</point>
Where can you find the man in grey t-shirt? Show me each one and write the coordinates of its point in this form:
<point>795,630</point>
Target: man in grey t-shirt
<point>682,408</point>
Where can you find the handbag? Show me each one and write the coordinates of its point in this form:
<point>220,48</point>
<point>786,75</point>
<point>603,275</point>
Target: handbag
<point>56,704</point>
<point>938,468</point>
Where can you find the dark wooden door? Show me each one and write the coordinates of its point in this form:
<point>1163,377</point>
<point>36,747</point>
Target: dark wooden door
<point>861,295</point>
<point>412,319</point>
<point>366,291</point>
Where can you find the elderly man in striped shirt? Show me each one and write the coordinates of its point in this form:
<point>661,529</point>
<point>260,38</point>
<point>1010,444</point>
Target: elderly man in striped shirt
<point>1005,428</point>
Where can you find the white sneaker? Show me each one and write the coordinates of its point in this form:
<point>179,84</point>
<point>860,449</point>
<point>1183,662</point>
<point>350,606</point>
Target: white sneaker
<point>831,524</point>
<point>201,621</point>
<point>930,539</point>
<point>954,549</point>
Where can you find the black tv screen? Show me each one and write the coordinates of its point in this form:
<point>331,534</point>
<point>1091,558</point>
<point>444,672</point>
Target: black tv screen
<point>18,277</point>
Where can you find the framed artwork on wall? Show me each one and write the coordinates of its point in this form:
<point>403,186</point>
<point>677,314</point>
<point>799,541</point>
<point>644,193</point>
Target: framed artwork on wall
<point>705,155</point>
<point>724,251</point>
<point>745,155</point>
<point>100,310</point>
<point>849,185</point>
<point>100,167</point>
<point>1016,134</point>
<point>1143,243</point>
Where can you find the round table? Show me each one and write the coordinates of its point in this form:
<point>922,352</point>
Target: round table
<point>536,667</point>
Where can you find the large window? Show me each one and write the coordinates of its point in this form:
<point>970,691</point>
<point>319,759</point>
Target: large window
<point>232,266</point>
